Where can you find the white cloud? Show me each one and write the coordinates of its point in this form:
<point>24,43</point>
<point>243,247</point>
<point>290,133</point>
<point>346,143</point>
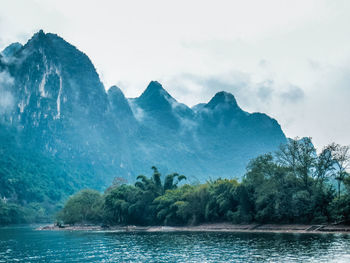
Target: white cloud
<point>136,110</point>
<point>6,97</point>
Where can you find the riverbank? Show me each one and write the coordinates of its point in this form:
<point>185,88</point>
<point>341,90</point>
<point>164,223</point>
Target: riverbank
<point>218,227</point>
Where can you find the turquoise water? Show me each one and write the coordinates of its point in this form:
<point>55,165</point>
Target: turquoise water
<point>25,244</point>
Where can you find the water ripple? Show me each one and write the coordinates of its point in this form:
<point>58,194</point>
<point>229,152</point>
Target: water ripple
<point>24,244</point>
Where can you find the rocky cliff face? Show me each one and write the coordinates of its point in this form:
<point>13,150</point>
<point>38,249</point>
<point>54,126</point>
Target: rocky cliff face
<point>54,80</point>
<point>59,107</point>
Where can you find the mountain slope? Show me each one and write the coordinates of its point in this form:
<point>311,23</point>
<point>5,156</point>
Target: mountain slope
<point>55,107</point>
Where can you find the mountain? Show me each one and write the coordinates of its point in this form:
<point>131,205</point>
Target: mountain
<point>54,107</point>
<point>118,104</point>
<point>56,78</point>
<point>156,104</point>
<point>231,136</point>
<point>11,49</point>
<point>57,110</point>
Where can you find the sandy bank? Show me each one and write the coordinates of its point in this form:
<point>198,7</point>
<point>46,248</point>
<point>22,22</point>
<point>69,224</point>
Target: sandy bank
<point>219,227</point>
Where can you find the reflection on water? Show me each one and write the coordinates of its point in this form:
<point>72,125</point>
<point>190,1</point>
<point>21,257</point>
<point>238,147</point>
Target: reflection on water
<point>24,244</point>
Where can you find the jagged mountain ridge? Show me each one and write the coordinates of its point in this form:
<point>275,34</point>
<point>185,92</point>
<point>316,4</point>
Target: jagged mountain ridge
<point>61,109</point>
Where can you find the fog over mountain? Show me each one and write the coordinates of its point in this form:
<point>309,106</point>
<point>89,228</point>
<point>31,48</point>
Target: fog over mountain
<point>54,107</point>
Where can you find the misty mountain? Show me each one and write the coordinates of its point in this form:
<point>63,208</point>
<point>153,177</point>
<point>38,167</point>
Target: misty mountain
<point>58,110</point>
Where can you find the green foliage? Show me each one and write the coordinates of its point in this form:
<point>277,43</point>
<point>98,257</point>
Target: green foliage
<point>341,209</point>
<point>293,185</point>
<point>121,204</point>
<point>223,200</point>
<point>286,190</point>
<point>11,214</point>
<point>171,207</point>
<point>84,207</point>
<point>33,184</point>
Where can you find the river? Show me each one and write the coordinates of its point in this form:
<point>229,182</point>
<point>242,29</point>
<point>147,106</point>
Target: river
<point>25,244</point>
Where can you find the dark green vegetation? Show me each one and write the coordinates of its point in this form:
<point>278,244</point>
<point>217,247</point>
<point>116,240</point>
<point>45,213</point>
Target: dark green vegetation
<point>60,131</point>
<point>293,185</point>
<point>32,185</point>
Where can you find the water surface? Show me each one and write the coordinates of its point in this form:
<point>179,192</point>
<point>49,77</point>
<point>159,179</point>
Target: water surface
<point>25,244</point>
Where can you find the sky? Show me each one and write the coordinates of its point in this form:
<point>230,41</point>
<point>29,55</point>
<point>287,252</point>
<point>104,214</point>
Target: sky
<point>288,59</point>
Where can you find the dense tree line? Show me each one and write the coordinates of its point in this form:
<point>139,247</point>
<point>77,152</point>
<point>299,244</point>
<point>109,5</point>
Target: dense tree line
<point>292,185</point>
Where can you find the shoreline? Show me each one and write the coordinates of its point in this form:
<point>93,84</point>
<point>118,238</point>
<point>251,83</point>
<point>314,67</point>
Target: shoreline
<point>215,227</point>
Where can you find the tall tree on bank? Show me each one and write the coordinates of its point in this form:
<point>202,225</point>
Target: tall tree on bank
<point>341,156</point>
<point>300,156</point>
<point>325,164</point>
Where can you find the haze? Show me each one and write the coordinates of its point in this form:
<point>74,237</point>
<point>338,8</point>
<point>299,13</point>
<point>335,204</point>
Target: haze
<point>289,59</point>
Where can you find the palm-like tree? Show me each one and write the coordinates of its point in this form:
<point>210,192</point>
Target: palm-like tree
<point>170,182</point>
<point>154,184</point>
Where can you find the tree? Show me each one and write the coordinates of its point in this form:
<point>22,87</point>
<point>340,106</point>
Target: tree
<point>222,200</point>
<point>150,189</point>
<point>170,183</point>
<point>169,205</point>
<point>325,164</point>
<point>117,203</point>
<point>251,192</point>
<point>192,208</point>
<point>83,207</point>
<point>155,185</point>
<point>117,181</point>
<point>300,156</point>
<point>341,156</point>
